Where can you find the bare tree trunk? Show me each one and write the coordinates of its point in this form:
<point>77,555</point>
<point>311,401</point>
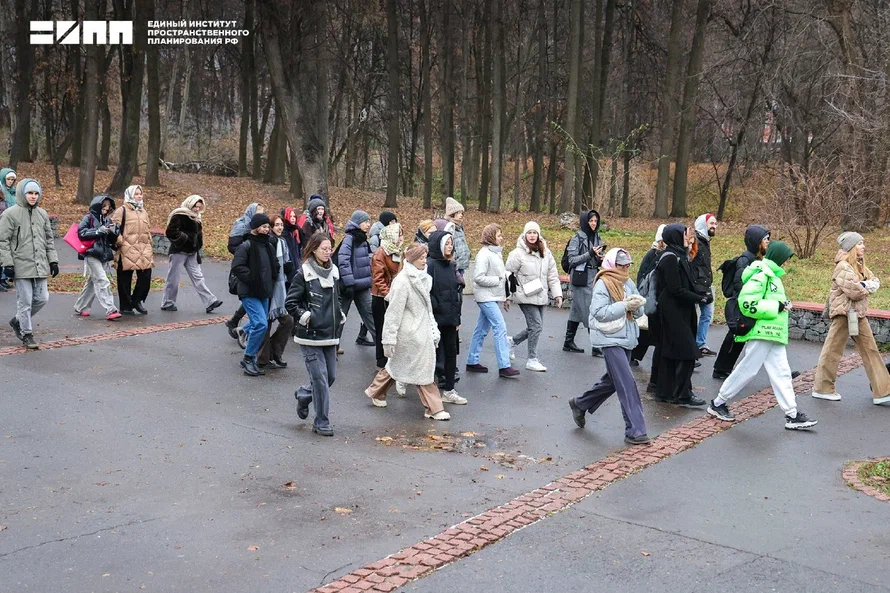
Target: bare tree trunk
<point>247,87</point>
<point>625,189</point>
<point>153,152</point>
<point>86,175</point>
<point>24,52</point>
<point>485,108</point>
<point>446,111</point>
<point>392,66</point>
<point>186,91</point>
<point>296,180</point>
<point>601,81</point>
<point>568,179</point>
<point>629,111</point>
<point>426,100</point>
<point>105,115</point>
<point>132,71</point>
<point>467,172</point>
<point>540,115</point>
<point>168,105</point>
<point>687,110</point>
<point>668,122</point>
<point>497,128</point>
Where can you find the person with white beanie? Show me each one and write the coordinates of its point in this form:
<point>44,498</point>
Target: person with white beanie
<point>537,279</point>
<point>851,285</point>
<point>454,213</point>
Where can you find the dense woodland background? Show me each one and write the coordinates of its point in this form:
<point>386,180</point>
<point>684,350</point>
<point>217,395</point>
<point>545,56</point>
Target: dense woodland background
<point>637,107</point>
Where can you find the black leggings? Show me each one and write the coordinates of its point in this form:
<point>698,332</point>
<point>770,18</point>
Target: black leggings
<point>448,348</point>
<point>378,311</point>
<point>130,296</point>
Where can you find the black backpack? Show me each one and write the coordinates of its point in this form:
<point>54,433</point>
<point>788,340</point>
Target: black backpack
<point>564,262</point>
<point>729,268</point>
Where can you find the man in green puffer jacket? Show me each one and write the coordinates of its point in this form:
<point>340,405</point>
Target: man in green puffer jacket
<point>763,298</point>
<point>27,255</point>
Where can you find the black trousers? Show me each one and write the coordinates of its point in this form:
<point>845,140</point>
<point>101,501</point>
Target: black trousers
<point>448,351</point>
<point>378,311</point>
<point>674,380</point>
<point>650,337</point>
<point>730,350</point>
<point>128,295</point>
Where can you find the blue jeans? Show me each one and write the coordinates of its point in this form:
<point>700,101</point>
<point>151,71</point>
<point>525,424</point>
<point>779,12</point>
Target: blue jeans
<point>490,318</point>
<point>704,322</point>
<point>257,323</point>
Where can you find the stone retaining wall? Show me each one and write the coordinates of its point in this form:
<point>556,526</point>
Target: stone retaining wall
<point>806,323</point>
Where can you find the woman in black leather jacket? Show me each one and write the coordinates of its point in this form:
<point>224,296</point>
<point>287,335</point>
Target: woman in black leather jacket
<point>314,301</point>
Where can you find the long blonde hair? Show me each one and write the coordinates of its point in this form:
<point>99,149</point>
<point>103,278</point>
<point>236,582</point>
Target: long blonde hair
<point>858,264</point>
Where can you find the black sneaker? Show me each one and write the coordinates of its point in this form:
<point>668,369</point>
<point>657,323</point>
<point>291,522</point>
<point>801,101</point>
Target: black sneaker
<point>596,352</point>
<point>691,401</point>
<point>139,308</point>
<point>634,363</point>
<point>569,346</point>
<point>577,414</point>
<point>640,440</point>
<point>799,422</point>
<point>127,312</point>
<point>214,305</point>
<point>302,405</point>
<point>28,341</point>
<point>250,367</point>
<point>720,375</point>
<point>364,342</point>
<point>651,388</point>
<point>16,327</point>
<point>169,307</point>
<point>795,374</point>
<point>720,412</point>
<point>281,364</point>
<point>325,432</point>
<point>232,325</point>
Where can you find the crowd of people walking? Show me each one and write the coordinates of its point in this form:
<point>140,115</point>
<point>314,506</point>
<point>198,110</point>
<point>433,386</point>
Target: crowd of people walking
<point>292,269</point>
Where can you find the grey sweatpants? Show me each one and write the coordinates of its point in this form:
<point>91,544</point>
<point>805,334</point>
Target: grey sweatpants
<point>31,295</point>
<point>188,261</point>
<point>96,286</point>
<point>534,321</point>
<point>618,378</point>
<point>321,363</point>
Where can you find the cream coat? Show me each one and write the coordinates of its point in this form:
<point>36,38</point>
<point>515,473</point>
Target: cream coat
<point>411,328</point>
<point>134,245</point>
<point>846,291</point>
<point>527,266</point>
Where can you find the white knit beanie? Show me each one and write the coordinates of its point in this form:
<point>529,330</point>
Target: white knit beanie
<point>452,207</point>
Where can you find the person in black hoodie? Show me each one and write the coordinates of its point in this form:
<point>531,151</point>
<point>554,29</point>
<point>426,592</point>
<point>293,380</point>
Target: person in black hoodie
<point>96,226</point>
<point>756,242</point>
<point>446,296</point>
<point>253,276</point>
<point>676,314</point>
<point>186,235</point>
<point>240,230</point>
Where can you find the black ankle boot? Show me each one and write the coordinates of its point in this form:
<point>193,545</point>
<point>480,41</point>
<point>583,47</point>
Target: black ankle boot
<point>248,363</point>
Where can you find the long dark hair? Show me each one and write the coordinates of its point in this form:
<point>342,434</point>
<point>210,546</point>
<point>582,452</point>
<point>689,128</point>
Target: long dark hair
<point>314,243</point>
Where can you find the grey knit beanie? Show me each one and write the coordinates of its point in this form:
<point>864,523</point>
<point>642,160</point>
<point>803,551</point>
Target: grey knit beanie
<point>849,240</point>
<point>358,217</point>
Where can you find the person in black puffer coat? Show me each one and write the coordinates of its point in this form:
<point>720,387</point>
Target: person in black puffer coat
<point>446,298</point>
<point>252,278</point>
<point>96,226</point>
<point>186,235</point>
<point>354,262</point>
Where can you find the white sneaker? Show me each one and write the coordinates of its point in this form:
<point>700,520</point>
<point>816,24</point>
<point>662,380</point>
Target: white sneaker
<point>443,415</point>
<point>533,364</point>
<point>451,397</point>
<point>380,403</point>
<point>400,388</point>
<point>881,400</point>
<point>510,344</point>
<point>833,397</point>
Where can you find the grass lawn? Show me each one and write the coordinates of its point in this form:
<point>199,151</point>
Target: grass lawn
<point>73,282</point>
<point>877,475</point>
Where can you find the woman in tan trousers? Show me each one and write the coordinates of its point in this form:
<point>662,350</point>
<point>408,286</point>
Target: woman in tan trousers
<point>410,337</point>
<point>851,285</point>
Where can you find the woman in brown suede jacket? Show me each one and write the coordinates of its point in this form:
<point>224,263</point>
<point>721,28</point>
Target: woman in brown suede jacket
<point>385,264</point>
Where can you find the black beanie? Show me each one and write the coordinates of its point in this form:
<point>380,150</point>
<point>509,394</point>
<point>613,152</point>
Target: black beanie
<point>387,217</point>
<point>258,220</point>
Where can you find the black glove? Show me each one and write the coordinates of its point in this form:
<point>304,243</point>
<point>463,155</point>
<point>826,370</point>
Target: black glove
<point>9,271</point>
<point>54,269</point>
<point>781,307</point>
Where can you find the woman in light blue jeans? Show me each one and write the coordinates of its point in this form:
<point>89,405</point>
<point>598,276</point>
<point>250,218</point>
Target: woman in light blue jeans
<point>489,275</point>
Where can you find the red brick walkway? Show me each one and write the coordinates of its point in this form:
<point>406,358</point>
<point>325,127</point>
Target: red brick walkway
<point>851,477</point>
<point>121,333</point>
<point>495,524</point>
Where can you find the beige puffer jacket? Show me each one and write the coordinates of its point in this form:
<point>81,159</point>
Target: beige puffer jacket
<point>846,291</point>
<point>528,266</point>
<point>134,245</point>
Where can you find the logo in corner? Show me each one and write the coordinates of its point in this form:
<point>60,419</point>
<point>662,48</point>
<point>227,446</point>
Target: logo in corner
<point>94,32</point>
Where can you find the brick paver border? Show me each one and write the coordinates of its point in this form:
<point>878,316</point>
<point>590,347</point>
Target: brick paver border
<point>851,477</point>
<point>121,333</point>
<point>495,524</point>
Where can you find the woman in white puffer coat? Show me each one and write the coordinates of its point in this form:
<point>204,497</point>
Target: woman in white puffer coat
<point>537,280</point>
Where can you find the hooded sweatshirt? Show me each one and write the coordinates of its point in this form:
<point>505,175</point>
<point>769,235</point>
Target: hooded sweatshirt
<point>26,236</point>
<point>8,192</point>
<point>447,287</point>
<point>754,235</point>
<point>88,230</point>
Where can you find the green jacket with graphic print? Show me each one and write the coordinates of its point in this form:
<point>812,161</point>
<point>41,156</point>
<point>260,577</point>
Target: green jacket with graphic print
<point>762,291</point>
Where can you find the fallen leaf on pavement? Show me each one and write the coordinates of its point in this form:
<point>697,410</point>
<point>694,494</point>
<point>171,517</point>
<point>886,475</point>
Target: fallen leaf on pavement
<point>501,476</point>
<point>645,553</point>
<point>482,468</point>
<point>289,485</point>
<point>253,548</point>
<point>342,511</point>
<point>468,434</point>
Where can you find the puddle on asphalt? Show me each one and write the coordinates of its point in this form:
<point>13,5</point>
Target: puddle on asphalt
<point>496,447</point>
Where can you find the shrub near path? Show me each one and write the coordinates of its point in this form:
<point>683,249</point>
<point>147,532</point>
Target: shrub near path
<point>227,197</point>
